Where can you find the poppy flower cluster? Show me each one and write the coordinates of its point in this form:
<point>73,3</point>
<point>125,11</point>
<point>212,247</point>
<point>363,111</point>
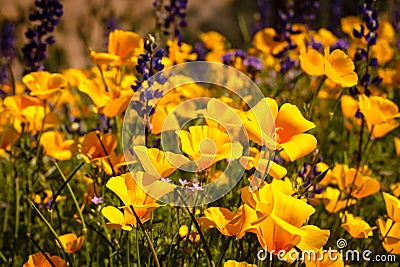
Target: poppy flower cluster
<point>85,189</point>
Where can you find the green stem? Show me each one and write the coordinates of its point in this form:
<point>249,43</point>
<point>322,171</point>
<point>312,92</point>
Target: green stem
<point>203,239</point>
<point>137,247</point>
<point>105,151</point>
<point>84,229</point>
<point>2,257</point>
<point>52,231</point>
<point>41,250</point>
<point>315,95</point>
<point>147,236</point>
<point>64,184</point>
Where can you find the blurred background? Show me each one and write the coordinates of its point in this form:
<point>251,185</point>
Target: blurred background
<point>85,23</point>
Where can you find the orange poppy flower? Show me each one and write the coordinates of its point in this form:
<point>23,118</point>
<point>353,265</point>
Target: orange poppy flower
<point>380,114</point>
<point>357,227</point>
<point>340,68</point>
<point>43,84</point>
<point>156,162</point>
<point>392,207</point>
<point>207,145</point>
<point>139,191</point>
<point>233,263</point>
<point>71,242</point>
<point>55,146</point>
<point>391,231</point>
<point>92,149</point>
<point>312,62</point>
<point>123,48</point>
<point>39,260</point>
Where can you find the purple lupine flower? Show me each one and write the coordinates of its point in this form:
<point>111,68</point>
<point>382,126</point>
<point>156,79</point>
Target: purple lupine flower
<point>44,18</point>
<point>111,25</point>
<point>148,64</point>
<point>171,17</point>
<point>264,8</point>
<point>370,17</point>
<point>253,63</point>
<point>166,180</point>
<point>7,51</point>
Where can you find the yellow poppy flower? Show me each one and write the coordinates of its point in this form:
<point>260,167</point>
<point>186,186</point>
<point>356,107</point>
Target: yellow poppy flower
<point>324,36</point>
<point>110,103</point>
<point>265,42</point>
<point>277,218</point>
<point>39,260</point>
<point>75,76</point>
<point>43,84</point>
<point>122,220</point>
<point>221,218</point>
<point>340,68</point>
<point>380,114</point>
<point>92,149</point>
<point>350,23</point>
<point>334,200</point>
<point>383,51</point>
<point>290,127</point>
<point>46,197</point>
<point>397,145</point>
<point>7,137</point>
<point>34,116</point>
<point>155,161</point>
<point>207,145</point>
<point>254,161</point>
<point>213,40</point>
<point>55,146</point>
<point>71,242</point>
<point>140,190</point>
<point>357,227</point>
<point>312,62</point>
<point>178,53</point>
<point>283,230</point>
<point>123,48</point>
<point>392,207</point>
<point>359,185</point>
<point>183,231</point>
<point>233,263</point>
<point>349,106</point>
<point>15,104</point>
<point>391,231</point>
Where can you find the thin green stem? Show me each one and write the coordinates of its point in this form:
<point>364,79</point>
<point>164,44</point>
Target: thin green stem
<point>147,236</point>
<point>53,232</point>
<point>315,95</point>
<point>2,257</point>
<point>106,152</point>
<point>84,229</point>
<point>137,247</point>
<point>64,185</point>
<point>203,239</point>
<point>41,250</point>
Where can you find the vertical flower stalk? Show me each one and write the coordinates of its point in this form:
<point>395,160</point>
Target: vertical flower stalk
<point>44,18</point>
<point>7,54</point>
<point>171,18</point>
<point>148,64</point>
<point>370,34</point>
